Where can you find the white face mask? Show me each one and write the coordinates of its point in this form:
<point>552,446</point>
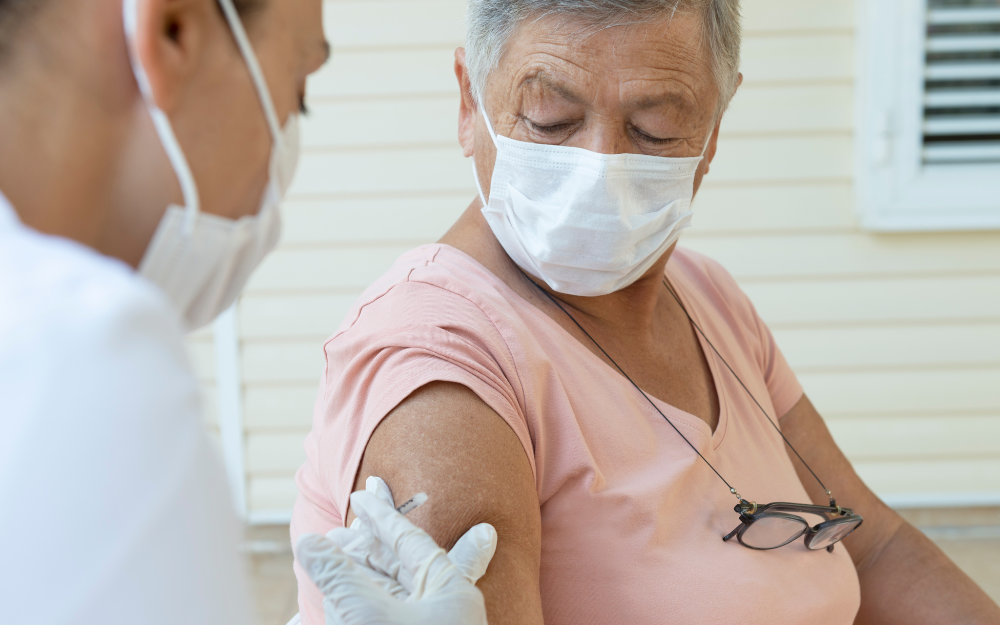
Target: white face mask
<point>585,223</point>
<point>203,261</point>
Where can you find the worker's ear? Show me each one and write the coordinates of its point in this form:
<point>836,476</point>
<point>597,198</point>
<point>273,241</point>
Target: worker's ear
<point>171,38</point>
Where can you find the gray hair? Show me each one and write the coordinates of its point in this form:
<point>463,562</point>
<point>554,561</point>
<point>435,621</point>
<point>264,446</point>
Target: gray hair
<point>491,23</point>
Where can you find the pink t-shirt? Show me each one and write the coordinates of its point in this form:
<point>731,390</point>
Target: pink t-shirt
<point>632,520</point>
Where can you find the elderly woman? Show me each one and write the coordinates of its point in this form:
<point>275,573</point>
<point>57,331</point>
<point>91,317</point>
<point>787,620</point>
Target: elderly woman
<point>609,402</point>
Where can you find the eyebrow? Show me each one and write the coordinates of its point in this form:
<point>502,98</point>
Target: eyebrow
<point>673,99</point>
<point>559,89</point>
<point>327,51</point>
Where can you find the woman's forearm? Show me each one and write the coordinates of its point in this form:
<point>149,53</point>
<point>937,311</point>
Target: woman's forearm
<point>912,581</point>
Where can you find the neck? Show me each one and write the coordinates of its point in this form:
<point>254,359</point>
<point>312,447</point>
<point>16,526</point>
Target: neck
<point>628,312</point>
<point>61,120</point>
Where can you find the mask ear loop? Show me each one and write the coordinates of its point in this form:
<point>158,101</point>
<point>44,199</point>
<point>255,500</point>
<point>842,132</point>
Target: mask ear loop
<point>475,172</point>
<point>256,74</point>
<point>192,202</point>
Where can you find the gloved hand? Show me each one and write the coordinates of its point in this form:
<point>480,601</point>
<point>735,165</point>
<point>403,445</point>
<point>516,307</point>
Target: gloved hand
<point>471,554</point>
<point>387,571</point>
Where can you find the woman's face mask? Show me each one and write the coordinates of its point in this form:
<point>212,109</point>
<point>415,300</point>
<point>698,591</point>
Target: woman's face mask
<point>203,261</point>
<point>586,223</point>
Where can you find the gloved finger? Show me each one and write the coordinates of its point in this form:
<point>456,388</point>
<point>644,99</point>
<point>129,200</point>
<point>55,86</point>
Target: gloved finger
<point>366,550</point>
<point>378,487</point>
<point>424,565</point>
<point>358,548</point>
<point>474,551</point>
<point>333,572</point>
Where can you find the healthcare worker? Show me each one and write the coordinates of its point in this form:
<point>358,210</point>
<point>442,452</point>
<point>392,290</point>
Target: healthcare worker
<point>143,154</point>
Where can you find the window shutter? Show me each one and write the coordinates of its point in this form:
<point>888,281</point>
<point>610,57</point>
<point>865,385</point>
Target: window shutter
<point>927,142</point>
<point>962,84</point>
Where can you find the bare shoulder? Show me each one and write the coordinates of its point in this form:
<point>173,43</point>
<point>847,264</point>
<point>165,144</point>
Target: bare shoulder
<point>445,441</point>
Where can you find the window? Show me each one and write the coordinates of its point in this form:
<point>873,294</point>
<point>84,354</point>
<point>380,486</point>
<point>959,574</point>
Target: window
<point>928,115</point>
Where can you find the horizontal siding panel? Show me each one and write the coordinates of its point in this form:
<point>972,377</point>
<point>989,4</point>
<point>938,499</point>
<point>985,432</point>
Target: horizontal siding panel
<point>839,395</point>
<point>293,316</point>
<point>370,23</point>
<point>266,493</point>
<point>879,301</point>
<point>365,125</point>
<point>280,407</point>
<point>888,347</point>
<point>841,255</point>
<point>332,268</point>
<point>811,58</point>
<point>400,171</point>
<point>385,73</point>
<point>796,108</point>
<point>880,439</point>
<point>780,207</point>
<point>370,220</point>
<point>942,476</point>
<point>282,361</point>
<point>274,453</point>
<point>354,73</point>
<point>757,160</point>
<point>788,15</point>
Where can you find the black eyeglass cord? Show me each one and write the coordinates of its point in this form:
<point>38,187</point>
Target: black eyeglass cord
<point>656,408</point>
<point>762,411</point>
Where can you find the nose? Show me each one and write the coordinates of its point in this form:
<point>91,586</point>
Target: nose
<point>604,136</point>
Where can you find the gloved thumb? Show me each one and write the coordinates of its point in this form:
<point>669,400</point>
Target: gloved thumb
<point>474,551</point>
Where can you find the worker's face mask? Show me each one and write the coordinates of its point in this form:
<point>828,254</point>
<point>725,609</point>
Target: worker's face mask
<point>585,223</point>
<point>203,261</point>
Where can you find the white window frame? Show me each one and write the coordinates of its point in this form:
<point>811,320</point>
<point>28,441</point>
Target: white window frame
<point>895,190</point>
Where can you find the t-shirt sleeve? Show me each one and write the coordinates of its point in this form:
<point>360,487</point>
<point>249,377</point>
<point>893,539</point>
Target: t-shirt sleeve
<point>414,334</point>
<point>782,383</point>
<point>119,509</point>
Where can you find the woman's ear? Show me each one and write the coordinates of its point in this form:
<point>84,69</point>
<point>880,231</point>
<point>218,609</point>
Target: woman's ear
<point>468,109</point>
<point>170,39</point>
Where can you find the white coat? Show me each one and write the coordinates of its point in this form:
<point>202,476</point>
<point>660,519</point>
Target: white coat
<point>113,505</point>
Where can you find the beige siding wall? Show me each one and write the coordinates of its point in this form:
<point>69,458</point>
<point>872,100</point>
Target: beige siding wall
<point>895,337</point>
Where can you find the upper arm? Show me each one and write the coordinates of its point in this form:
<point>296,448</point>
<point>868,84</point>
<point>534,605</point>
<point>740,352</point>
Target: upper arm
<point>807,432</point>
<point>445,441</point>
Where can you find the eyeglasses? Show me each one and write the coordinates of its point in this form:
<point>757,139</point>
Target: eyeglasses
<point>761,527</point>
<point>769,526</point>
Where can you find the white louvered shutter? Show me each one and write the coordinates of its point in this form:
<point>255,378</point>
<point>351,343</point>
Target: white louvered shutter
<point>962,86</point>
<point>928,141</point>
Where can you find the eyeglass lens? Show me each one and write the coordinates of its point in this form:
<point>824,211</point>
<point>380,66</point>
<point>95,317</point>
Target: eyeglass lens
<point>831,534</point>
<point>769,532</point>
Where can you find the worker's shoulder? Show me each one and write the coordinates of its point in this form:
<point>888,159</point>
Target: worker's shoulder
<point>57,289</point>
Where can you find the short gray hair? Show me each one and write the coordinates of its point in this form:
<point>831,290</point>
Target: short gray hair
<point>491,23</point>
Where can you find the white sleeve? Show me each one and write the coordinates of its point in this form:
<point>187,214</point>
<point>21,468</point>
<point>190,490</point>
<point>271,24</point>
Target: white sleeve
<point>113,505</point>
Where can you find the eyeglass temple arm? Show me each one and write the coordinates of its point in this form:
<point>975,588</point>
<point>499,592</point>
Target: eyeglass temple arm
<point>728,536</point>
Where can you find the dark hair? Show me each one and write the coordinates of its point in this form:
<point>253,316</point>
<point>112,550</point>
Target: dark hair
<point>13,11</point>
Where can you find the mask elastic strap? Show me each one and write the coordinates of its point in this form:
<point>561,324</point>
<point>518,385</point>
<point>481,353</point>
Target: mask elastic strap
<point>256,74</point>
<point>475,172</point>
<point>489,126</point>
<point>708,140</point>
<point>161,122</point>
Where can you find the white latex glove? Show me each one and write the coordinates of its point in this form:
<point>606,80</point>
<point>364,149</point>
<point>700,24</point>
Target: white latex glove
<point>437,591</point>
<point>471,554</point>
